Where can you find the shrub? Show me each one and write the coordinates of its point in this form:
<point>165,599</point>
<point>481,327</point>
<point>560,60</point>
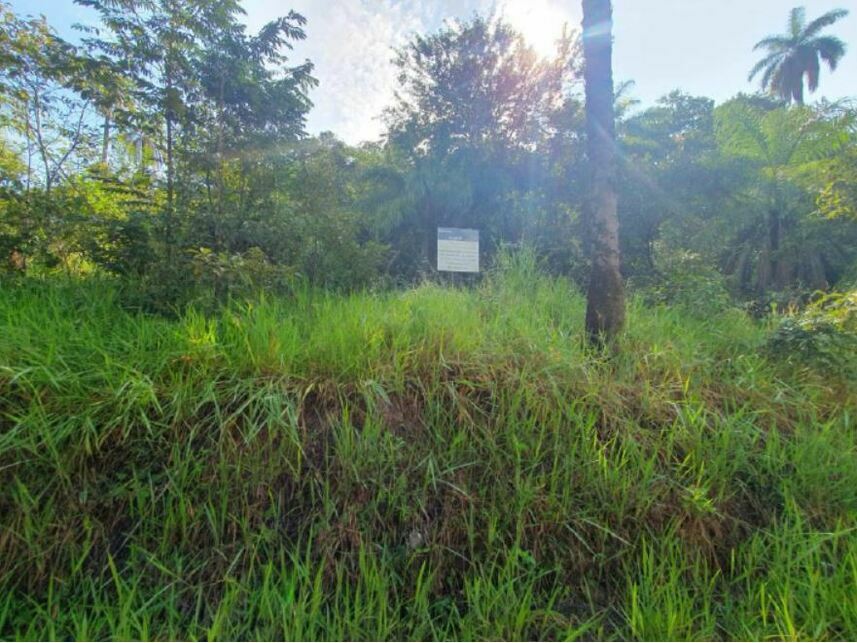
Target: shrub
<point>685,280</point>
<point>823,335</point>
<point>223,275</point>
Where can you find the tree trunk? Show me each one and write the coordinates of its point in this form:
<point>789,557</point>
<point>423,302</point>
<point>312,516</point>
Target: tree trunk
<point>815,274</point>
<point>764,274</point>
<point>43,150</point>
<point>168,229</point>
<point>605,301</point>
<point>774,234</point>
<point>105,140</point>
<point>168,223</point>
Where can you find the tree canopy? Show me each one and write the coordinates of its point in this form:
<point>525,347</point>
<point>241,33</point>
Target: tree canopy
<point>169,147</point>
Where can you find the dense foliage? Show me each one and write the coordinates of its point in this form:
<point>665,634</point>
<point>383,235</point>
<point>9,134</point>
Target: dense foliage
<point>168,145</point>
<point>172,135</point>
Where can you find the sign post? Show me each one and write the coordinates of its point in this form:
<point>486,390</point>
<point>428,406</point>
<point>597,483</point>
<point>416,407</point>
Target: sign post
<point>457,250</point>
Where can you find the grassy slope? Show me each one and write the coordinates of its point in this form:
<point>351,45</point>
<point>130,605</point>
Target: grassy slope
<point>426,464</point>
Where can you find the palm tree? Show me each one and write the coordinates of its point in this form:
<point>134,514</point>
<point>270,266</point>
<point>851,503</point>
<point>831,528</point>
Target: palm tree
<point>605,300</point>
<point>781,147</point>
<point>798,53</point>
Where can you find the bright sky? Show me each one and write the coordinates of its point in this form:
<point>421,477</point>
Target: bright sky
<point>701,46</point>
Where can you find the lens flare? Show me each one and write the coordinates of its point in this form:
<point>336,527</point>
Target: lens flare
<point>540,21</point>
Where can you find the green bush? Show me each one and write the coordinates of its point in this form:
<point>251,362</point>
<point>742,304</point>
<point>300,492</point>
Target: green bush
<point>684,280</point>
<point>823,335</point>
<point>222,275</point>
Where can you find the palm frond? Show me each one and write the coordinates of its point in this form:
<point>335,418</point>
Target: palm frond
<point>738,127</point>
<point>811,67</point>
<point>768,61</point>
<point>779,82</point>
<point>823,21</point>
<point>773,43</point>
<point>797,19</point>
<point>830,49</point>
<point>770,72</point>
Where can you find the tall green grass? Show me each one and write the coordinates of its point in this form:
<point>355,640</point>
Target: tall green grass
<point>434,463</point>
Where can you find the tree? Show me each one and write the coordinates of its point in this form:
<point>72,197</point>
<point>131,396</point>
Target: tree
<point>835,180</point>
<point>797,54</point>
<point>475,83</point>
<point>605,302</point>
<point>39,73</point>
<point>470,128</point>
<point>47,129</point>
<point>213,100</point>
<point>666,175</point>
<point>776,149</point>
<point>157,43</point>
<point>251,105</point>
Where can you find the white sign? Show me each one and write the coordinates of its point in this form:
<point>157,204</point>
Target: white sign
<point>457,250</point>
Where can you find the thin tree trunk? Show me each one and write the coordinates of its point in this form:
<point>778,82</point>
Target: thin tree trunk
<point>743,270</point>
<point>605,303</point>
<point>29,152</point>
<point>217,209</point>
<point>105,140</point>
<point>43,150</point>
<point>430,227</point>
<point>168,223</point>
<point>815,277</point>
<point>138,152</point>
<point>774,245</point>
<point>764,272</point>
<point>170,187</point>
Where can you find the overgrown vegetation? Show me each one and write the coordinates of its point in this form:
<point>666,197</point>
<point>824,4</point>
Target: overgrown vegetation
<point>434,463</point>
<point>186,159</point>
<point>238,402</point>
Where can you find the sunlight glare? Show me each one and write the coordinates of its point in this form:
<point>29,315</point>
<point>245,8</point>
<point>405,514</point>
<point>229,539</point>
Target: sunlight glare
<point>539,21</point>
